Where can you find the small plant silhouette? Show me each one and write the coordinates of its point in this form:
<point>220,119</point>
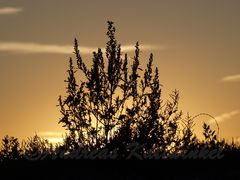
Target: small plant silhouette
<point>36,148</point>
<point>11,149</point>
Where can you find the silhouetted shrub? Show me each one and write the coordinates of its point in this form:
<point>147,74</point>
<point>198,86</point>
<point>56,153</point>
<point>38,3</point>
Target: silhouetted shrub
<point>36,148</point>
<point>115,104</point>
<point>10,148</point>
<point>116,107</point>
<point>118,103</point>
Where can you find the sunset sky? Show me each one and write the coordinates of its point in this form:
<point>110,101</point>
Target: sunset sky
<point>196,45</point>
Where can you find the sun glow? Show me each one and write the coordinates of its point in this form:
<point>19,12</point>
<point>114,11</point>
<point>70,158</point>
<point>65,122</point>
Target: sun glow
<point>55,140</point>
<point>52,137</point>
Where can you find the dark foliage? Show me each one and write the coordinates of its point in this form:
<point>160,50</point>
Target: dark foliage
<point>10,149</point>
<point>115,107</point>
<point>118,103</point>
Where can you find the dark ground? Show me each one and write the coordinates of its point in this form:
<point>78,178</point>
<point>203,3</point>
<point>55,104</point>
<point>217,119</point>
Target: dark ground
<point>106,169</point>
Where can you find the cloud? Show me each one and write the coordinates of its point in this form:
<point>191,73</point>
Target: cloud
<point>10,10</point>
<point>50,133</point>
<point>52,137</point>
<point>224,116</point>
<point>232,78</point>
<point>128,48</point>
<point>19,47</point>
